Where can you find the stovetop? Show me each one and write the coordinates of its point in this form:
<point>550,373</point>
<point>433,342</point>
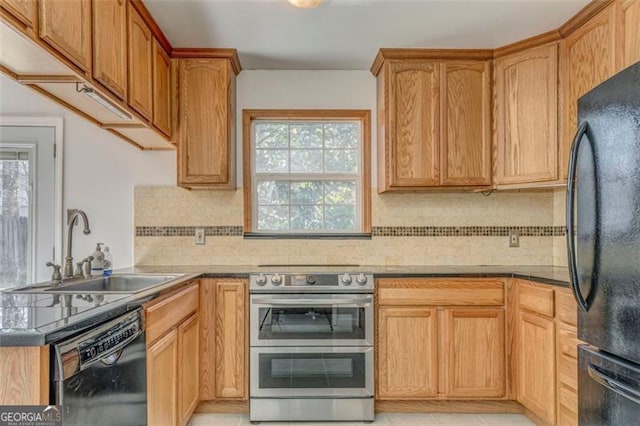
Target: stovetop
<point>311,282</point>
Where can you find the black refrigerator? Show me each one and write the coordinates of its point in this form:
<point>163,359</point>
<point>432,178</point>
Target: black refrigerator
<point>603,239</point>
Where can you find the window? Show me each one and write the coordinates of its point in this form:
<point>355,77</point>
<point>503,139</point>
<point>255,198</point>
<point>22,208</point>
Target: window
<point>307,172</point>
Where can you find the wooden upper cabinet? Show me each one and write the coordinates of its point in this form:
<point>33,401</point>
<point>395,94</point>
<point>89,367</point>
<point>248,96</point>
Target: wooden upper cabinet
<point>110,45</point>
<point>588,57</point>
<point>140,64</point>
<point>66,26</point>
<point>207,121</point>
<point>407,353</point>
<point>526,87</point>
<point>631,31</point>
<point>410,141</point>
<point>161,89</point>
<point>25,11</point>
<point>474,353</point>
<point>466,123</point>
<point>536,365</point>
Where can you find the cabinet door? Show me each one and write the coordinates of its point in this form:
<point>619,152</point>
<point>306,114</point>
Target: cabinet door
<point>407,353</point>
<point>162,380</point>
<point>466,123</point>
<point>413,127</point>
<point>140,64</point>
<point>474,353</point>
<point>66,26</point>
<point>567,373</point>
<point>631,31</point>
<point>231,340</point>
<point>24,11</point>
<point>188,347</point>
<point>110,45</point>
<point>536,365</point>
<point>588,57</point>
<point>205,152</point>
<point>526,86</point>
<point>161,89</point>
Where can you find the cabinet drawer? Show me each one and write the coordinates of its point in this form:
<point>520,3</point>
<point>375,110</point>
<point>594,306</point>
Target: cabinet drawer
<point>566,307</point>
<point>567,341</point>
<point>440,292</point>
<point>567,406</point>
<point>536,299</point>
<point>170,310</point>
<point>567,356</point>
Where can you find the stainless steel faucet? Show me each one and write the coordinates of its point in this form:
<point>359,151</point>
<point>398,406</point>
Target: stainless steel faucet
<point>68,260</point>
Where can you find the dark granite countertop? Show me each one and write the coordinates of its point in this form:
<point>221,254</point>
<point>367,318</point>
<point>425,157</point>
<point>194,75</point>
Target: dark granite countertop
<point>555,275</point>
<point>35,319</point>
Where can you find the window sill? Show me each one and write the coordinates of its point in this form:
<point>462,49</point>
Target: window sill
<point>293,236</point>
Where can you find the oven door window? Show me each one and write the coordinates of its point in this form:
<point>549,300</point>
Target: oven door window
<point>293,323</point>
<point>311,370</point>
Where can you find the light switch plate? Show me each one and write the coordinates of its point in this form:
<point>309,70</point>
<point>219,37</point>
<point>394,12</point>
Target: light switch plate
<point>200,236</point>
<point>514,238</point>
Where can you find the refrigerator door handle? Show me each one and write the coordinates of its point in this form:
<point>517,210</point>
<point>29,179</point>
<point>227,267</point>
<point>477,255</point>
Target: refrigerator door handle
<point>571,189</point>
<point>614,385</point>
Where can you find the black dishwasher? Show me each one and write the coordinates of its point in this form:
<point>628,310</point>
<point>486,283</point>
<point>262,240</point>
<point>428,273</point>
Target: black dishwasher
<point>100,376</point>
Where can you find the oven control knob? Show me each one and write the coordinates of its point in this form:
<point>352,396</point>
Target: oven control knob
<point>276,279</point>
<point>92,352</point>
<point>361,279</point>
<point>261,280</point>
<point>346,279</point>
<point>311,279</point>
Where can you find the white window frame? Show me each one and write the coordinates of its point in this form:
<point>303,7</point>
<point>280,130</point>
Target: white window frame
<point>361,178</point>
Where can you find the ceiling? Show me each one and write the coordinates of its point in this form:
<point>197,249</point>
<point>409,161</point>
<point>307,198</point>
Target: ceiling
<point>346,34</point>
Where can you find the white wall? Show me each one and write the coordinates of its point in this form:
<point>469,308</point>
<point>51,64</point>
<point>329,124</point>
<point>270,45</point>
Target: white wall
<point>289,89</point>
<point>100,172</point>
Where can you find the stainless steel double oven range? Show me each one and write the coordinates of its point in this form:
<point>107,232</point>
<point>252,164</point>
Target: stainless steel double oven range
<point>311,347</point>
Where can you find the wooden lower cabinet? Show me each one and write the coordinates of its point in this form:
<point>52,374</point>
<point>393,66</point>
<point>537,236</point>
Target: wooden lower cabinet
<point>173,338</point>
<point>188,346</point>
<point>224,362</point>
<point>162,380</point>
<point>407,353</point>
<point>535,373</point>
<point>474,353</point>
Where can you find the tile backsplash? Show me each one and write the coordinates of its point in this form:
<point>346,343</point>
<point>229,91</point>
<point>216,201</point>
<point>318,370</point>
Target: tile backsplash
<point>409,229</point>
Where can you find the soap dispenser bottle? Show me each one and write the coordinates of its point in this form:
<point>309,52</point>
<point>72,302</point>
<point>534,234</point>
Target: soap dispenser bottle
<point>97,264</point>
<point>108,261</point>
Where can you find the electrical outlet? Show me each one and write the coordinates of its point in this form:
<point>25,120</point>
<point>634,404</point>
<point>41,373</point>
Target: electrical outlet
<point>200,238</point>
<point>514,238</point>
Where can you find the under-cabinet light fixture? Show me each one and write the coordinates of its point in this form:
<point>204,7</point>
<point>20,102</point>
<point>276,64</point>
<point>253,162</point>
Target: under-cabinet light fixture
<point>306,4</point>
<point>99,98</point>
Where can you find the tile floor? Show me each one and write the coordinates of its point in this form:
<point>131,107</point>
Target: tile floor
<point>383,419</point>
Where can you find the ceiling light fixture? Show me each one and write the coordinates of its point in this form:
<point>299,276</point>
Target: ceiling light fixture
<point>99,98</point>
<point>306,4</point>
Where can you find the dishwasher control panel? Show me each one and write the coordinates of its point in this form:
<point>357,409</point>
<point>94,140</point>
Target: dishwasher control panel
<point>108,341</point>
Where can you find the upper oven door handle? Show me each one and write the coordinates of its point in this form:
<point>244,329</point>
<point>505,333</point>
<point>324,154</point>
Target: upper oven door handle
<point>312,302</point>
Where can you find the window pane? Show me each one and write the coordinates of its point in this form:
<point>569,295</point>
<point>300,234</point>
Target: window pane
<point>14,221</point>
<point>269,135</point>
<point>340,192</point>
<point>306,217</point>
<point>340,217</point>
<point>306,161</point>
<point>306,135</point>
<point>341,161</point>
<point>341,135</point>
<point>273,217</point>
<point>273,192</point>
<point>272,161</point>
<point>306,192</point>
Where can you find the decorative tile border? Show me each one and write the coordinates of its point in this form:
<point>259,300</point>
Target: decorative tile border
<point>188,231</point>
<point>467,231</point>
<point>377,231</point>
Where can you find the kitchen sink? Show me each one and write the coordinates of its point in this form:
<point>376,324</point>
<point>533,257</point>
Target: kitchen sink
<point>120,283</point>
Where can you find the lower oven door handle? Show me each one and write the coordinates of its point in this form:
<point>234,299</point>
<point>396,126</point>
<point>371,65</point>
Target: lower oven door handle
<point>312,302</point>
